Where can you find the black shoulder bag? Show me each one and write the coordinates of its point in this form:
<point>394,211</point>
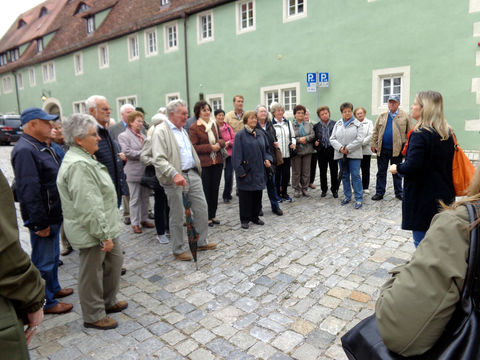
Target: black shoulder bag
<point>461,338</point>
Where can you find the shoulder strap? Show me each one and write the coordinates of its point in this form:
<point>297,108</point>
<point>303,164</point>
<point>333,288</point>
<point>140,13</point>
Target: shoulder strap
<point>472,283</point>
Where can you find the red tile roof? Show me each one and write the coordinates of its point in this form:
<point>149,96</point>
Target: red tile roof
<point>126,16</point>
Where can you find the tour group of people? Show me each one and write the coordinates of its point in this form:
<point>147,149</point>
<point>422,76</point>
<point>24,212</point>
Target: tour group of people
<point>71,178</point>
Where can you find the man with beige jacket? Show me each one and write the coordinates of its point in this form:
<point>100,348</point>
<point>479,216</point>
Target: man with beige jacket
<point>389,136</point>
<point>234,117</point>
<point>178,170</point>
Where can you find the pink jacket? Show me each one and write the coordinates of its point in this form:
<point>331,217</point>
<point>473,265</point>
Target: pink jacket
<point>228,135</point>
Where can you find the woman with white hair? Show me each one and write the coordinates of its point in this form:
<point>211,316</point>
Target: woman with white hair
<point>427,169</point>
<point>92,222</point>
<point>286,144</point>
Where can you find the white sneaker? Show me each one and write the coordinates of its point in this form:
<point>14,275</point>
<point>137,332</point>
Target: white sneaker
<point>366,191</point>
<point>162,239</point>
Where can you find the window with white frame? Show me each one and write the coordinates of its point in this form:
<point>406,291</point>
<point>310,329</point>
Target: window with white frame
<point>245,11</point>
<point>39,45</point>
<point>31,77</point>
<point>48,72</point>
<point>79,107</point>
<point>294,9</point>
<point>171,96</point>
<point>90,24</point>
<point>7,84</point>
<point>20,81</point>
<point>287,94</point>
<point>151,42</point>
<point>205,27</point>
<point>387,82</point>
<point>215,101</point>
<point>170,31</point>
<point>133,52</point>
<point>132,100</point>
<point>78,63</point>
<point>103,58</point>
<point>164,2</point>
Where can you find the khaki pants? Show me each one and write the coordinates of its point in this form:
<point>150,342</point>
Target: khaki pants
<point>301,172</point>
<point>99,280</point>
<point>194,190</point>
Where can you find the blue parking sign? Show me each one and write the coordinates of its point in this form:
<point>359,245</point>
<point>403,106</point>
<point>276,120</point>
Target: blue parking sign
<point>323,77</point>
<point>311,78</point>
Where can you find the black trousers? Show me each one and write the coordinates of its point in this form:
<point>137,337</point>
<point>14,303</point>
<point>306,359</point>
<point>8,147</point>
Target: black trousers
<point>282,177</point>
<point>365,166</point>
<point>313,167</point>
<point>250,203</point>
<point>325,160</point>
<point>211,176</point>
<point>161,211</point>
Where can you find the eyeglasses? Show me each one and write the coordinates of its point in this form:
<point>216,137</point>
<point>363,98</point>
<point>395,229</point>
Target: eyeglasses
<point>106,109</point>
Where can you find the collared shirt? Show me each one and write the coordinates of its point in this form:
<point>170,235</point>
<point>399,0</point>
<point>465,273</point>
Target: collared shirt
<point>183,141</point>
<point>393,114</point>
<point>238,116</point>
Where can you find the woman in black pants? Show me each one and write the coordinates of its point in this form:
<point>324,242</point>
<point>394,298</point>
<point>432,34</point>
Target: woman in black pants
<point>286,143</point>
<point>249,161</point>
<point>207,141</point>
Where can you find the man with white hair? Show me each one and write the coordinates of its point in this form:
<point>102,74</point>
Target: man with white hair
<point>178,170</point>
<point>121,126</point>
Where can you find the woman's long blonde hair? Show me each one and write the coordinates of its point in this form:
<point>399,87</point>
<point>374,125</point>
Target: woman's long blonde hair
<point>432,115</point>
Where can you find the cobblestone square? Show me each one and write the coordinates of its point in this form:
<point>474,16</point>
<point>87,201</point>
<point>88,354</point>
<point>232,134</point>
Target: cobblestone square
<point>286,290</point>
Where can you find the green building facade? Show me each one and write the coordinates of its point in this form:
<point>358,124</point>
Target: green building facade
<point>263,49</point>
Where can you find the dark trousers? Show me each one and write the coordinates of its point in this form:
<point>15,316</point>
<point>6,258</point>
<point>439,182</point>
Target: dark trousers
<point>45,256</point>
<point>325,160</point>
<point>382,164</point>
<point>228,179</point>
<point>313,167</point>
<point>250,204</point>
<point>161,211</point>
<point>282,177</point>
<point>365,167</point>
<point>211,176</point>
<point>272,191</point>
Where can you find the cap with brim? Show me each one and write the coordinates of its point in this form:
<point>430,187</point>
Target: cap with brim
<point>394,98</point>
<point>36,113</point>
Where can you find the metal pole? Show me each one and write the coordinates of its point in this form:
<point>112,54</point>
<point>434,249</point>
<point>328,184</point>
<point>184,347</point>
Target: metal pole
<point>16,91</point>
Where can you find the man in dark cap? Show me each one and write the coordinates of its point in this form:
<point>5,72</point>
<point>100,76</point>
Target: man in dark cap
<point>36,166</point>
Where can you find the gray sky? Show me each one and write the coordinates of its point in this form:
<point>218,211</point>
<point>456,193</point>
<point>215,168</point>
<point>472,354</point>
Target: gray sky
<point>10,12</point>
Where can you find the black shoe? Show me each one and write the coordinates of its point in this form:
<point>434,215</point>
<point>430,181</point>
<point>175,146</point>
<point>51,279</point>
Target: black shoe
<point>287,198</point>
<point>260,213</point>
<point>210,223</point>
<point>60,262</point>
<point>399,196</point>
<point>335,194</point>
<point>377,197</point>
<point>244,225</point>
<point>258,222</point>
<point>324,193</point>
<point>277,211</point>
<point>127,221</point>
<point>215,221</point>
<point>123,271</point>
<point>226,201</point>
<point>151,215</point>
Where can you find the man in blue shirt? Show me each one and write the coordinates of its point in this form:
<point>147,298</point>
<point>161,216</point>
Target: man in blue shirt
<point>389,136</point>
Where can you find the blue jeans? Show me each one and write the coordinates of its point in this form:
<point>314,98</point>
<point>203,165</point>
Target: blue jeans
<point>228,178</point>
<point>352,168</point>
<point>45,256</point>
<point>382,165</point>
<point>418,236</point>
<point>272,191</point>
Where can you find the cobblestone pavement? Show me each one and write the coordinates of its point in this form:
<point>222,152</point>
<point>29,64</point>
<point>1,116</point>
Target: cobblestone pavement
<point>289,289</point>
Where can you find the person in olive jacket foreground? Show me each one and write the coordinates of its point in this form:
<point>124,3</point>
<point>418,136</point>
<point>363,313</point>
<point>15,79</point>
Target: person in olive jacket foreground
<point>416,304</point>
<point>22,289</point>
<point>92,222</point>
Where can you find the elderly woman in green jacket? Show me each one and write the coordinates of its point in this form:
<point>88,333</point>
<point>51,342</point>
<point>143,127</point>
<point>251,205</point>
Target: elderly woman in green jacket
<point>92,222</point>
